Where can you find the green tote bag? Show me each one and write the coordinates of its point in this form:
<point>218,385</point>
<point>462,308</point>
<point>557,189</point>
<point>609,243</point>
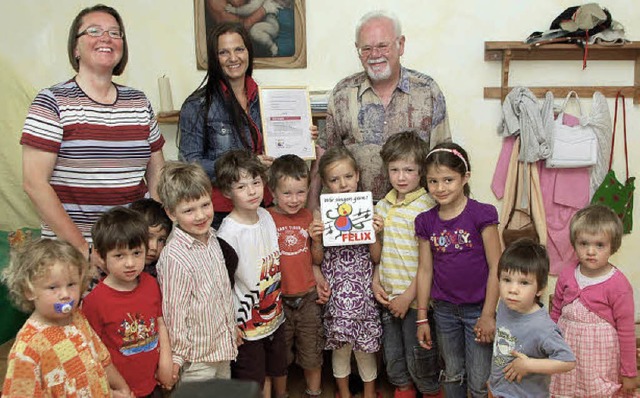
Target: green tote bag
<point>612,193</point>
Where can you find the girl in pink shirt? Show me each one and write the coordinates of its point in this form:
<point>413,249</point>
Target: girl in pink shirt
<point>593,305</point>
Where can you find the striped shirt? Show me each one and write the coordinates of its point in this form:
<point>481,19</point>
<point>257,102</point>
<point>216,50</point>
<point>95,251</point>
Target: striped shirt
<point>197,302</point>
<point>102,149</point>
<point>399,262</point>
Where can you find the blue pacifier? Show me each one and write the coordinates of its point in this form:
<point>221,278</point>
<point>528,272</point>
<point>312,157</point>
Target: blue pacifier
<point>64,308</point>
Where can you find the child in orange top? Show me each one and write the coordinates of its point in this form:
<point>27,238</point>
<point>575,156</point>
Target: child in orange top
<point>289,185</point>
<point>56,353</point>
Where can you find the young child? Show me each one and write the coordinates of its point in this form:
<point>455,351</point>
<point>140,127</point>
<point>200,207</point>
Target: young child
<point>56,352</point>
<point>125,308</point>
<point>528,346</point>
<point>593,305</point>
<point>159,225</point>
<point>394,283</point>
<point>458,257</point>
<point>196,293</point>
<point>289,185</point>
<point>250,230</point>
<point>351,320</point>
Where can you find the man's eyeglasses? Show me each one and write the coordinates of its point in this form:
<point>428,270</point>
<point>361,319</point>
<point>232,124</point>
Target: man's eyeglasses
<point>382,48</point>
<point>95,31</point>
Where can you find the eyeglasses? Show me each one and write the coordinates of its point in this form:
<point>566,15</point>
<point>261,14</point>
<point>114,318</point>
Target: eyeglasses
<point>95,31</point>
<point>383,48</point>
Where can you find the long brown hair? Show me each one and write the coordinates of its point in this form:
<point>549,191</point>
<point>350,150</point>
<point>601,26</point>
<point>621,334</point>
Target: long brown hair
<point>215,78</point>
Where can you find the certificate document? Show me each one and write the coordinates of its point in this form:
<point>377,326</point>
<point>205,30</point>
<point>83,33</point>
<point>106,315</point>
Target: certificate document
<point>347,218</point>
<point>286,120</point>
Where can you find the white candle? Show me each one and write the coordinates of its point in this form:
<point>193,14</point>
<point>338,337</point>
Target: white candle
<point>166,102</point>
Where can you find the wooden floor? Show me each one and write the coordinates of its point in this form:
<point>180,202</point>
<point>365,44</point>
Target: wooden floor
<point>296,383</point>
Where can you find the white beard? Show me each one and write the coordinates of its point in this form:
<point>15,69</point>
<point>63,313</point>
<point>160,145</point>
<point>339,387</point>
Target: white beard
<point>381,75</point>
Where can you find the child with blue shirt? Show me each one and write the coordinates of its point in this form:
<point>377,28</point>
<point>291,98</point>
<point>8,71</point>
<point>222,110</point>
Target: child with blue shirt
<point>528,347</point>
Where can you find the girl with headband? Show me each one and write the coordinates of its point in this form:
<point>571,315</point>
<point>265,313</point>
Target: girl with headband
<point>459,251</point>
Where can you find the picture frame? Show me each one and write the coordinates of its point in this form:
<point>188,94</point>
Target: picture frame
<point>290,41</point>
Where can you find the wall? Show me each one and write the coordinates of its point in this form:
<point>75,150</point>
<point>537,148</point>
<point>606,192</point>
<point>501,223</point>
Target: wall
<point>445,39</point>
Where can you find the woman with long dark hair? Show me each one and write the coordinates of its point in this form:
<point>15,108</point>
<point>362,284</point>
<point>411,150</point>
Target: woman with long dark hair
<point>223,113</point>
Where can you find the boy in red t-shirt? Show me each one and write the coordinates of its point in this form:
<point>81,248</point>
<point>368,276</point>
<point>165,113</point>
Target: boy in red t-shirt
<point>125,308</point>
<point>289,185</point>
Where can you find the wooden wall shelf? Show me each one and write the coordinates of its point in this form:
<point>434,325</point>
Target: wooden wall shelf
<point>506,51</point>
<point>172,117</point>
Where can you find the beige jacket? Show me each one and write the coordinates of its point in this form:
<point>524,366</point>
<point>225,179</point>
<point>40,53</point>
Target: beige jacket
<point>536,206</point>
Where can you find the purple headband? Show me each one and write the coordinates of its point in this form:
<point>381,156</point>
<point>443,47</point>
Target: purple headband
<point>454,151</point>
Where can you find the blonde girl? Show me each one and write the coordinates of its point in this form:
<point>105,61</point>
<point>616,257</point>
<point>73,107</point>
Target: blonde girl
<point>459,251</point>
<point>351,320</point>
<point>56,353</point>
<point>593,306</point>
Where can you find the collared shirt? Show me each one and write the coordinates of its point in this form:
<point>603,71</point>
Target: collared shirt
<point>399,261</point>
<point>357,118</point>
<point>197,301</point>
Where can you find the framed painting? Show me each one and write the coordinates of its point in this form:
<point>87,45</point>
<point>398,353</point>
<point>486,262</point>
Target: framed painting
<point>276,27</point>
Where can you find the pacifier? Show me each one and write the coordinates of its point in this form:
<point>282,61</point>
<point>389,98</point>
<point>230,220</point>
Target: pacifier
<point>63,308</point>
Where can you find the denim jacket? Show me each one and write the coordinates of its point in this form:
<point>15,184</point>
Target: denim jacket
<point>219,131</point>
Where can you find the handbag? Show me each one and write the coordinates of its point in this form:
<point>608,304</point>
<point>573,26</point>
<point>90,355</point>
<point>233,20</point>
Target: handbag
<point>512,233</point>
<point>575,146</point>
<point>611,192</point>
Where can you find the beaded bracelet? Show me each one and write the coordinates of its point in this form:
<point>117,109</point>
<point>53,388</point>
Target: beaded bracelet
<point>422,321</point>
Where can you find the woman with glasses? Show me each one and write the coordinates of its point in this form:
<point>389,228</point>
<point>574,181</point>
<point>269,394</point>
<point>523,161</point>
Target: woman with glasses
<point>90,144</point>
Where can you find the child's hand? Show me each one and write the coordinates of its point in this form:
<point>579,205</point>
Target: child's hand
<point>324,292</point>
<point>378,223</point>
<point>424,336</point>
<point>315,230</point>
<point>124,392</point>
<point>399,306</point>
<point>239,337</point>
<point>518,368</point>
<point>175,374</point>
<point>485,329</point>
<point>629,384</point>
<point>380,294</point>
<point>164,375</point>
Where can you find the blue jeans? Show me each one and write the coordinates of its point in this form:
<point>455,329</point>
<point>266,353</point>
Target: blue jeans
<point>405,360</point>
<point>467,363</point>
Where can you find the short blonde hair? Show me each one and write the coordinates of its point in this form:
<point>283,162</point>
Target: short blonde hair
<point>596,219</point>
<point>181,181</point>
<point>32,260</point>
